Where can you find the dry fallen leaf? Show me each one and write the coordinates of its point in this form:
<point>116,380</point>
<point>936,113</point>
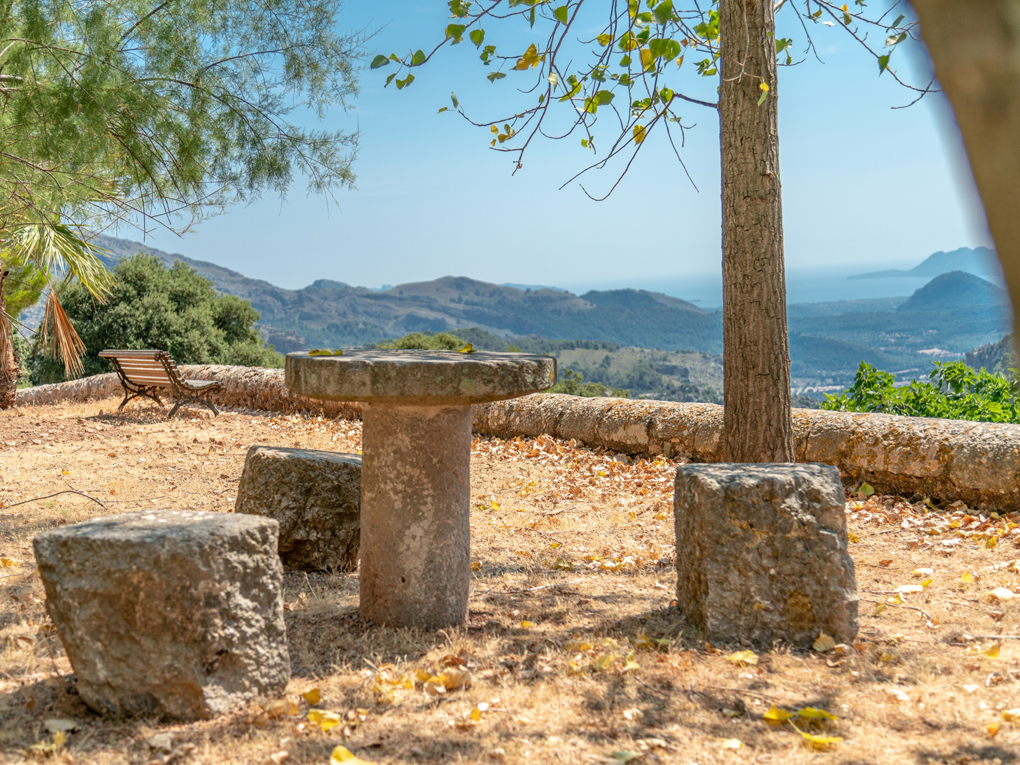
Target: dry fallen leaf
<point>967,578</point>
<point>731,743</point>
<point>993,729</point>
<point>811,713</point>
<point>343,754</point>
<point>281,708</point>
<point>324,719</point>
<point>824,643</point>
<point>60,726</point>
<point>777,716</point>
<point>743,658</point>
<point>1011,715</point>
<point>313,696</point>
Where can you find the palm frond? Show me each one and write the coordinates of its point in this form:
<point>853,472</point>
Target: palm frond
<point>56,248</point>
<point>60,337</point>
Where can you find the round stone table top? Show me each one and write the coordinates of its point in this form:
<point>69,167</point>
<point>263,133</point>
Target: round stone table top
<point>419,378</point>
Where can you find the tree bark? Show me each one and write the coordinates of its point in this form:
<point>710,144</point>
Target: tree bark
<point>975,47</point>
<point>10,372</point>
<point>756,355</point>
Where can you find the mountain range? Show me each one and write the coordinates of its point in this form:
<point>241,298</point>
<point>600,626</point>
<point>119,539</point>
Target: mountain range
<point>955,312</point>
<point>979,261</point>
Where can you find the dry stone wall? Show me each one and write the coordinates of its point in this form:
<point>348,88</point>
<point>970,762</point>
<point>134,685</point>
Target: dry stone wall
<point>945,459</point>
<point>977,462</point>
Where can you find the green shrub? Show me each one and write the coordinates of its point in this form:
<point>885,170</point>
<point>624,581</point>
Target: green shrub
<point>573,383</point>
<point>152,306</point>
<point>441,341</point>
<point>953,391</point>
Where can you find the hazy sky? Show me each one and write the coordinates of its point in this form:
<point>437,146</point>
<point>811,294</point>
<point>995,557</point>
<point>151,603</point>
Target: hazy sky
<point>863,184</point>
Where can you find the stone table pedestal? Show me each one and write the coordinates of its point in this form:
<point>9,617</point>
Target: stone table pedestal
<point>416,462</point>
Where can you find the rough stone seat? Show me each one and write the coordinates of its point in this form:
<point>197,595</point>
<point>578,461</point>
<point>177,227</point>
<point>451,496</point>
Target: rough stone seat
<point>761,553</point>
<point>168,613</point>
<point>315,496</point>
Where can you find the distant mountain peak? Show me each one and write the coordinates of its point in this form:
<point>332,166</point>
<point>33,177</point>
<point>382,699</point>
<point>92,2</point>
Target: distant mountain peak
<point>955,289</point>
<point>979,261</point>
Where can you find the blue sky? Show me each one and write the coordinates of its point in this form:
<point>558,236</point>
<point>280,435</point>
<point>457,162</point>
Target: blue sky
<point>864,185</point>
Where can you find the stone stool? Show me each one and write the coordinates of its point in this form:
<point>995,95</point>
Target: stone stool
<point>761,553</point>
<point>315,496</point>
<point>171,613</point>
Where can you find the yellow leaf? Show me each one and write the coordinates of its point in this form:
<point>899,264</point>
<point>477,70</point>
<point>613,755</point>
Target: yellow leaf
<point>65,472</point>
<point>992,652</point>
<point>854,538</point>
<point>992,541</point>
<point>927,583</point>
<point>824,643</point>
<point>764,86</point>
<point>966,577</point>
<point>819,742</point>
<point>1011,715</point>
<point>453,679</point>
<point>562,564</point>
<point>343,754</point>
<point>993,729</point>
<point>494,129</point>
<point>639,133</point>
<point>886,656</point>
<point>476,565</point>
<point>494,505</point>
<point>7,562</point>
<point>577,645</point>
<point>811,713</point>
<point>468,348</point>
<point>525,624</point>
<point>324,719</point>
<point>603,662</point>
<point>920,572</point>
<point>281,708</point>
<point>879,608</point>
<point>777,716</point>
<point>743,658</point>
<point>313,696</point>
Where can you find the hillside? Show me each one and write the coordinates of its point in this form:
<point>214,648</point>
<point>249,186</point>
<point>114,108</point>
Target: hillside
<point>953,290</point>
<point>951,315</point>
<point>980,261</point>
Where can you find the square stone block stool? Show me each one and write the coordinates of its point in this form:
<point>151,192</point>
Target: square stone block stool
<point>171,613</point>
<point>761,553</point>
<point>316,497</point>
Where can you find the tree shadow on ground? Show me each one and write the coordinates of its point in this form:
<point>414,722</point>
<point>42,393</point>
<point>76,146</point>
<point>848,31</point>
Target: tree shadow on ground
<point>967,753</point>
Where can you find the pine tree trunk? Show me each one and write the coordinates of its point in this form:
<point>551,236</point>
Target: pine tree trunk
<point>9,369</point>
<point>756,356</point>
<point>975,47</point>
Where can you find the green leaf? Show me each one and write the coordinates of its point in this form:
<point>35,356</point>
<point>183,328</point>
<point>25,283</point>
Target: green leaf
<point>401,84</point>
<point>443,109</point>
<point>883,63</point>
<point>897,22</point>
<point>453,98</point>
<point>604,97</point>
<point>663,12</point>
<point>459,8</point>
<point>476,36</point>
<point>418,58</point>
<point>456,31</point>
<point>495,76</point>
<point>561,14</point>
<point>390,79</point>
<point>379,61</point>
<point>762,97</point>
<point>666,95</point>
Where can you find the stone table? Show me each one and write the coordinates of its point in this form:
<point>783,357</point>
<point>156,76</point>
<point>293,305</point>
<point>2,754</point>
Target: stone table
<point>416,462</point>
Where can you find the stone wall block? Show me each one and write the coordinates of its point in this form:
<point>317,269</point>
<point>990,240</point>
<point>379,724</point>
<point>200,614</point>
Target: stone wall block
<point>579,418</point>
<point>168,613</point>
<point>761,553</point>
<point>622,425</point>
<point>986,456</point>
<point>316,498</point>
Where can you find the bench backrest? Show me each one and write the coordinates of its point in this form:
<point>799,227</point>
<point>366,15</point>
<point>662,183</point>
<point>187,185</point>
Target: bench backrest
<point>150,368</point>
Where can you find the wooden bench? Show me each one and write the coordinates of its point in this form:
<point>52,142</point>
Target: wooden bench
<point>144,373</point>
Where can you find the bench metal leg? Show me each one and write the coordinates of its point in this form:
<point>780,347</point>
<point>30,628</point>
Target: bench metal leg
<point>133,394</point>
<point>195,400</point>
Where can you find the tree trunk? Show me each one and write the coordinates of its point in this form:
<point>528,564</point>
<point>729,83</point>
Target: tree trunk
<point>756,355</point>
<point>975,47</point>
<point>9,369</point>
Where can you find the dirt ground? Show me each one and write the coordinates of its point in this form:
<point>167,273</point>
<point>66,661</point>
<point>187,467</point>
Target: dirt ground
<point>575,652</point>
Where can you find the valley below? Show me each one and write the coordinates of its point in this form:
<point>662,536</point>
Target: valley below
<point>655,345</point>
